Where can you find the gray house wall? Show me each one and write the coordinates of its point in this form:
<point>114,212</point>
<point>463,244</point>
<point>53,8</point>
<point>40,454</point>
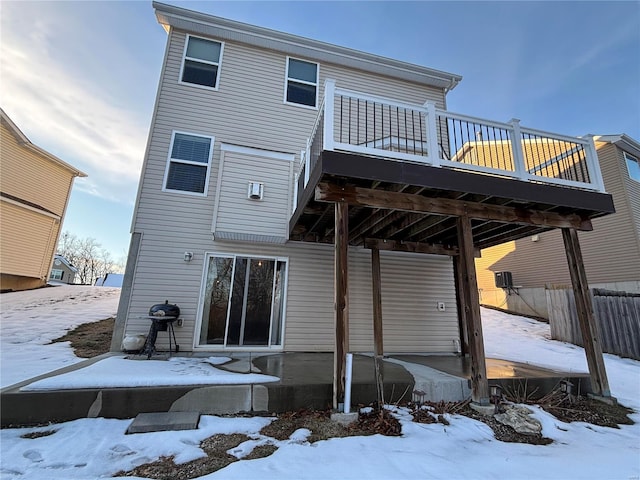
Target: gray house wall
<point>247,110</point>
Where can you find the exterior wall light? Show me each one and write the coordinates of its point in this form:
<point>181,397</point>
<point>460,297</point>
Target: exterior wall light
<point>188,256</point>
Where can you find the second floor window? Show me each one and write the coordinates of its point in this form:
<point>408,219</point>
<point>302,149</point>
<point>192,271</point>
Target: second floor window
<point>633,166</point>
<point>302,82</point>
<point>189,163</point>
<point>201,63</point>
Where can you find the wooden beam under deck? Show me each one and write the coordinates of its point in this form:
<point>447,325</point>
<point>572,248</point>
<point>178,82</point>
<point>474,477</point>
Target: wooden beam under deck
<point>365,197</point>
<point>398,246</point>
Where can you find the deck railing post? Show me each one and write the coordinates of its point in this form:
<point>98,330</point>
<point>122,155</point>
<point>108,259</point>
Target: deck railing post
<point>593,165</point>
<point>516,148</point>
<point>307,163</point>
<point>329,95</point>
<point>432,134</point>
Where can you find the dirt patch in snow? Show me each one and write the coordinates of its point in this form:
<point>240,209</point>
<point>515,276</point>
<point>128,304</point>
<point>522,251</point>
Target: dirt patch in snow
<point>216,447</point>
<point>90,339</point>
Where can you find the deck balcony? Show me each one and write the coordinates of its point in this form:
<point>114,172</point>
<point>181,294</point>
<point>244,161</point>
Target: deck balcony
<point>363,146</point>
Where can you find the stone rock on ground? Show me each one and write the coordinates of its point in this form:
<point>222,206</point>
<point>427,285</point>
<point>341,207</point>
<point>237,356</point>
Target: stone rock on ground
<point>519,418</point>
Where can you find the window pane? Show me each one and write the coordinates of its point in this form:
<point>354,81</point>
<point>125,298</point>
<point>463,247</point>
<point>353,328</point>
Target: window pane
<point>199,73</point>
<point>191,148</point>
<point>633,167</point>
<point>303,70</point>
<point>278,305</point>
<point>237,302</point>
<point>190,178</point>
<point>300,93</point>
<point>259,297</point>
<point>203,49</point>
<point>218,288</point>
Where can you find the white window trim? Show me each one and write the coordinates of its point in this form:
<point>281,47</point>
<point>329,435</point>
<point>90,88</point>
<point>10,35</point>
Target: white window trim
<point>286,83</point>
<point>200,311</point>
<point>52,277</point>
<point>627,158</point>
<point>184,57</point>
<point>187,162</point>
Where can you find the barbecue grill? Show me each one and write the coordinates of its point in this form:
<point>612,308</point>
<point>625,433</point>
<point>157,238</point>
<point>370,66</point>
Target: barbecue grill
<point>162,316</point>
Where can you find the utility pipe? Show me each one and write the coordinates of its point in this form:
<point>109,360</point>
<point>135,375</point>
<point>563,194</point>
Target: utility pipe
<point>347,382</point>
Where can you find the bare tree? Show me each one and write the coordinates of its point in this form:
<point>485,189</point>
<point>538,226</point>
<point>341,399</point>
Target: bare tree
<point>88,256</point>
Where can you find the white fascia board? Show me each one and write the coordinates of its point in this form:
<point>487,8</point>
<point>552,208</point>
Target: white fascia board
<point>622,140</point>
<point>224,29</point>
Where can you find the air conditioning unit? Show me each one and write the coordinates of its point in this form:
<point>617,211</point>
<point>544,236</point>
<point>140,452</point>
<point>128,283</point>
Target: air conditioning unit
<point>504,279</point>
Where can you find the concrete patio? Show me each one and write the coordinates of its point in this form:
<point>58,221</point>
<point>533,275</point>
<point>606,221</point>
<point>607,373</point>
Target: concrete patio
<point>306,381</point>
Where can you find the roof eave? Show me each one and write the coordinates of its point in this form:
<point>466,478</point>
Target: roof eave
<point>22,139</point>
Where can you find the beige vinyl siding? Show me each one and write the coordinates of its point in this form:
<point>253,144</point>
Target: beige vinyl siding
<point>32,177</point>
<point>27,241</point>
<point>237,214</point>
<point>248,110</point>
<point>244,111</point>
<point>611,251</point>
<point>411,287</point>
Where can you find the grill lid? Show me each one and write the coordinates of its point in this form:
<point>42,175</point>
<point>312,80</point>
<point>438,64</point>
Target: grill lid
<point>164,310</point>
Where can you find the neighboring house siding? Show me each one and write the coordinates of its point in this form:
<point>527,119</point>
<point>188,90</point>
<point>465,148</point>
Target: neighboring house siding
<point>35,189</point>
<point>30,177</point>
<point>611,251</point>
<point>27,241</point>
<point>411,287</point>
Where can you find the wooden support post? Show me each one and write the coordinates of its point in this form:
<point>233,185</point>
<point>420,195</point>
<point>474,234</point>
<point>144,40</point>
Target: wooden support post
<point>341,292</point>
<point>377,302</point>
<point>471,304</point>
<point>584,307</point>
<point>460,304</point>
<point>378,348</point>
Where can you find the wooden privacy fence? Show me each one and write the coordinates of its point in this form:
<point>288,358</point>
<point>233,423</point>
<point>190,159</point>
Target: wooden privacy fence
<point>617,316</point>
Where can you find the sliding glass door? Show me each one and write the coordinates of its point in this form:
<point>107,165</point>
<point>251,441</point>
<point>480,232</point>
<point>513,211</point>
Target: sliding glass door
<point>243,301</point>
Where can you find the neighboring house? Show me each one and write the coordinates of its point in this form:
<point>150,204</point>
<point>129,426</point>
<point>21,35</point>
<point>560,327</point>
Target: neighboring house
<point>62,272</point>
<point>611,252</point>
<point>34,191</point>
<point>287,182</point>
<point>110,280</point>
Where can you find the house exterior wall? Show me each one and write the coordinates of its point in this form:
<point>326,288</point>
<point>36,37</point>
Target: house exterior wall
<point>248,110</point>
<point>35,194</point>
<point>611,252</point>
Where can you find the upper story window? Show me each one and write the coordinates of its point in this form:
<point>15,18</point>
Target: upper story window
<point>633,166</point>
<point>188,164</point>
<point>201,63</point>
<point>302,83</point>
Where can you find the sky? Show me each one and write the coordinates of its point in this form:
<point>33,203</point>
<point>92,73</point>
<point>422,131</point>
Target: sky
<point>80,78</point>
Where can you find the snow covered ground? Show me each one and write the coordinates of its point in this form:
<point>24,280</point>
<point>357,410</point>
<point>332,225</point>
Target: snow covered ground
<point>465,449</point>
<point>31,319</point>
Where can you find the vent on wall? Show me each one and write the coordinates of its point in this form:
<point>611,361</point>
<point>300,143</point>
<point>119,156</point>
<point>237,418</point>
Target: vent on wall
<point>255,191</point>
